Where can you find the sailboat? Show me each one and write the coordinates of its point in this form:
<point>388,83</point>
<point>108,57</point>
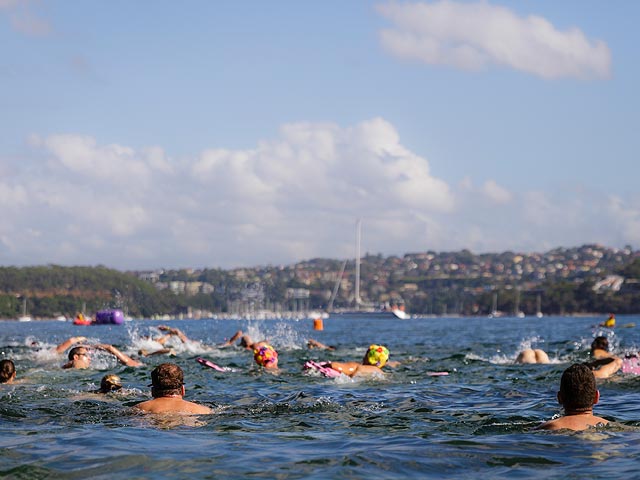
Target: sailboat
<point>361,308</point>
<point>538,306</point>
<point>494,307</point>
<point>24,317</point>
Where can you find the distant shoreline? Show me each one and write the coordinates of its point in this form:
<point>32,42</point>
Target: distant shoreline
<point>297,316</point>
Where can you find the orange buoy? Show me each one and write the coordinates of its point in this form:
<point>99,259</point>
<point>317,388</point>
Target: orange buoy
<point>317,324</point>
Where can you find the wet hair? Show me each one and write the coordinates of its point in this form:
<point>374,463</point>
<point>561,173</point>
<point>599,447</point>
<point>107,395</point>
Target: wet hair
<point>110,383</point>
<point>600,343</point>
<point>7,370</point>
<point>166,379</point>
<point>75,351</point>
<point>596,364</point>
<point>578,388</point>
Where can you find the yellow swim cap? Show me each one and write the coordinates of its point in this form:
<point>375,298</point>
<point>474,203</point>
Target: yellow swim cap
<point>377,355</point>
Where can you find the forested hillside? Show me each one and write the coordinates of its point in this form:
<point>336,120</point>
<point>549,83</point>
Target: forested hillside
<point>54,290</point>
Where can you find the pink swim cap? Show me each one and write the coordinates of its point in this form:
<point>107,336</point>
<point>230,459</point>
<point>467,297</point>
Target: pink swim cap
<point>265,355</point>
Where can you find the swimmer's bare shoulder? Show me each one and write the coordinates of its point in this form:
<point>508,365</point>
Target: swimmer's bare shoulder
<point>573,422</point>
<point>173,405</point>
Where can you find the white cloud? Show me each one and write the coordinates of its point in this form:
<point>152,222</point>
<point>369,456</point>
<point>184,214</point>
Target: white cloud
<point>296,196</point>
<point>12,196</point>
<point>363,168</point>
<point>626,218</point>
<point>474,35</point>
<point>496,193</point>
<point>291,196</point>
<point>110,163</point>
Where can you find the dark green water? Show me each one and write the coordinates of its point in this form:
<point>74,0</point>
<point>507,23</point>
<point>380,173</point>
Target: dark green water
<point>475,422</point>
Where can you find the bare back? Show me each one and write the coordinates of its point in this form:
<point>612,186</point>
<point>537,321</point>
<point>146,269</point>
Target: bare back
<point>598,353</point>
<point>355,369</point>
<point>368,371</point>
<point>172,405</point>
<point>348,368</point>
<point>574,422</point>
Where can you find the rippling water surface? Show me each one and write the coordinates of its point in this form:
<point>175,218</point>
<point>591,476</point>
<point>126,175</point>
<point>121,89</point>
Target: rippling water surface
<point>475,422</point>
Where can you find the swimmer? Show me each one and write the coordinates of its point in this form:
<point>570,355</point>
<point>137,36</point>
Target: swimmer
<point>266,356</point>
<point>311,344</point>
<point>170,333</point>
<point>245,341</point>
<point>109,383</point>
<point>167,390</point>
<point>374,359</point>
<point>578,394</point>
<point>532,356</point>
<point>80,358</point>
<point>7,371</point>
<point>604,364</point>
<point>600,348</point>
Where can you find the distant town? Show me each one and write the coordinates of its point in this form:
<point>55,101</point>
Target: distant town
<point>589,278</point>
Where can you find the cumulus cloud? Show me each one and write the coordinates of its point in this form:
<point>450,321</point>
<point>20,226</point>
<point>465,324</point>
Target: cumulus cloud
<point>473,36</point>
<point>81,155</point>
<point>292,197</point>
<point>361,168</point>
<point>289,197</point>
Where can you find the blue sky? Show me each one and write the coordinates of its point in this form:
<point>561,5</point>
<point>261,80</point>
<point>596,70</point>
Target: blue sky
<point>151,134</point>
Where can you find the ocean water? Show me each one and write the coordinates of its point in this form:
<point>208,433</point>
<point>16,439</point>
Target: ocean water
<point>475,422</point>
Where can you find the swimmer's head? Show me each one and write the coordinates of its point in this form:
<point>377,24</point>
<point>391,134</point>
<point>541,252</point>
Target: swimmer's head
<point>167,379</point>
<point>7,371</point>
<point>110,383</point>
<point>377,355</point>
<point>266,356</point>
<point>578,389</point>
<point>600,343</point>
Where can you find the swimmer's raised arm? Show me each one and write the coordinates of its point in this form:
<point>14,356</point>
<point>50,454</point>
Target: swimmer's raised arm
<point>233,339</point>
<point>124,358</point>
<point>605,371</point>
<point>68,343</point>
<point>311,343</point>
<point>174,331</point>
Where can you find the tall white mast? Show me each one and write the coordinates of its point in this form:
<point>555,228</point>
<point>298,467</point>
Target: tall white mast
<point>358,233</point>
